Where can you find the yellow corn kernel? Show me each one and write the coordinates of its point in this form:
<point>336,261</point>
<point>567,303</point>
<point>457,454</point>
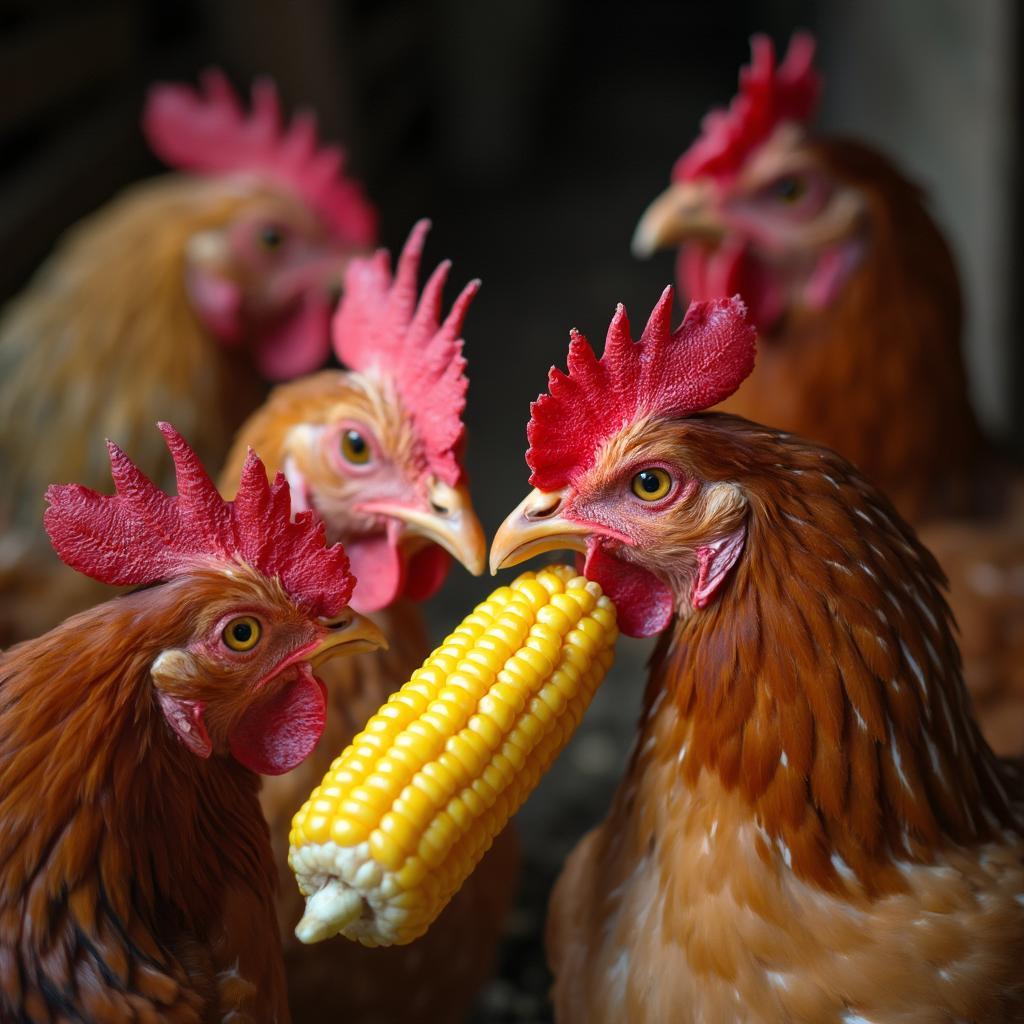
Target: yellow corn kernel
<point>404,815</point>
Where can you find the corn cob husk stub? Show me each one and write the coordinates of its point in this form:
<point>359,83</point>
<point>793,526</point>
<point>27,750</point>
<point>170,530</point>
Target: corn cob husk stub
<point>406,812</point>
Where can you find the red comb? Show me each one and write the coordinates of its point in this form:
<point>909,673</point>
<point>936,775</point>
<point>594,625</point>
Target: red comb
<point>768,97</point>
<point>381,326</point>
<point>665,373</point>
<point>208,131</point>
<point>141,535</point>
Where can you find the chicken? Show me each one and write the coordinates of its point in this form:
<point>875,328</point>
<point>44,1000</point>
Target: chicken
<point>136,881</point>
<point>376,452</point>
<point>178,299</point>
<point>856,297</point>
<point>811,828</point>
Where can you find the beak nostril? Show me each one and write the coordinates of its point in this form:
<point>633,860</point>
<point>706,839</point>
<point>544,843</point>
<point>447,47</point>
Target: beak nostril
<point>544,512</point>
<point>439,508</point>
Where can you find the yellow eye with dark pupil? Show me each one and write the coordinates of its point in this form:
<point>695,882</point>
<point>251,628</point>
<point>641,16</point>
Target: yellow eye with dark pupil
<point>355,447</point>
<point>651,484</point>
<point>242,634</point>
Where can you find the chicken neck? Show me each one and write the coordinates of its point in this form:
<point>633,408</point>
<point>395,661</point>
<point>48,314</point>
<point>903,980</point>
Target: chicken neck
<point>824,686</point>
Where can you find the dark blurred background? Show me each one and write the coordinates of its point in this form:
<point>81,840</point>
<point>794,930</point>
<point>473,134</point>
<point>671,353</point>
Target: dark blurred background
<point>534,133</point>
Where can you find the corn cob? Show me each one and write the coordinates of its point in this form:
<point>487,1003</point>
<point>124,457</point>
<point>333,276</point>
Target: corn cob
<point>404,815</point>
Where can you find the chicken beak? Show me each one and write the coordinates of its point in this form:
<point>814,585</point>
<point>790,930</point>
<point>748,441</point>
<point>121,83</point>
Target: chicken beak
<point>534,527</point>
<point>450,522</point>
<point>349,633</point>
<point>684,210</point>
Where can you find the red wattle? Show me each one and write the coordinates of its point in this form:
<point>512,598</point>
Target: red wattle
<point>299,343</point>
<point>276,735</point>
<point>218,302</point>
<point>379,569</point>
<point>644,603</point>
<point>427,571</point>
<point>729,269</point>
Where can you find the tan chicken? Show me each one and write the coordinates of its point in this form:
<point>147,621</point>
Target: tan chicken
<point>376,452</point>
<point>812,829</point>
<point>136,878</point>
<point>856,298</point>
<point>179,299</point>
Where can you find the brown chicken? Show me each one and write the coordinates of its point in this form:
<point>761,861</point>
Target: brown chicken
<point>179,299</point>
<point>376,452</point>
<point>857,301</point>
<point>812,829</point>
<point>136,878</point>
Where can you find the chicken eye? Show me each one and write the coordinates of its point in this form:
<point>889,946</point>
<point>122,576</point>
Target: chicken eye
<point>242,634</point>
<point>789,189</point>
<point>355,448</point>
<point>270,237</point>
<point>651,484</point>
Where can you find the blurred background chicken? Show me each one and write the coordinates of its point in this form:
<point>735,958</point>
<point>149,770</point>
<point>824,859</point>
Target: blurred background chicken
<point>811,827</point>
<point>179,299</point>
<point>136,881</point>
<point>856,296</point>
<point>376,452</point>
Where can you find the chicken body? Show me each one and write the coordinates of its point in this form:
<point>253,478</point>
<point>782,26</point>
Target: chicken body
<point>435,979</point>
<point>677,908</point>
<point>857,301</point>
<point>812,828</point>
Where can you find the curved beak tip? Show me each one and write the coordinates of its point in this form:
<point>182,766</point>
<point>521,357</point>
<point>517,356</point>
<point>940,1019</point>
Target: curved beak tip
<point>535,527</point>
<point>451,523</point>
<point>683,211</point>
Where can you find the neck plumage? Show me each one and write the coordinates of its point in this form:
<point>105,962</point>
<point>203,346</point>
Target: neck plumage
<point>824,684</point>
<point>100,805</point>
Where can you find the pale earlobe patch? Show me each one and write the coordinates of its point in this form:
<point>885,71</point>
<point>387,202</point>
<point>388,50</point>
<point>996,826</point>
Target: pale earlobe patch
<point>714,561</point>
<point>185,717</point>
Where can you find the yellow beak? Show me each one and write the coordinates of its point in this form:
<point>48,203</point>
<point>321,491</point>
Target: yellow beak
<point>534,527</point>
<point>450,523</point>
<point>350,633</point>
<point>684,210</point>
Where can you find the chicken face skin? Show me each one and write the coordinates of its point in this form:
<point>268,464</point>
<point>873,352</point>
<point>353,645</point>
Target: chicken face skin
<point>655,533</point>
<point>786,232</point>
<point>238,676</point>
<point>265,275</point>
